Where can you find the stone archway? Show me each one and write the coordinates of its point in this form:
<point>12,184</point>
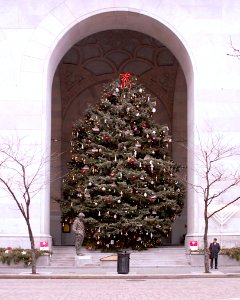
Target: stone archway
<point>78,83</point>
<point>50,44</point>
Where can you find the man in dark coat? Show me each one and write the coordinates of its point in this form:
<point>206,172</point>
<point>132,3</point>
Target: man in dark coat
<point>214,249</point>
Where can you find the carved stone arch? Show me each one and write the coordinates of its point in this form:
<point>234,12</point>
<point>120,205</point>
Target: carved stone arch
<point>96,22</point>
<point>118,57</point>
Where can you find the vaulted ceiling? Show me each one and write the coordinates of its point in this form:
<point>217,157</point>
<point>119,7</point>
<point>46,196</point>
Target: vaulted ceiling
<point>101,57</point>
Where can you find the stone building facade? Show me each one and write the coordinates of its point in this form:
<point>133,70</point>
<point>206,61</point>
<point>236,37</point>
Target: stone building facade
<point>55,56</point>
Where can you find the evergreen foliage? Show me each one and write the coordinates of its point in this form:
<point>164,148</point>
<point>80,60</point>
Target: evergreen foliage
<point>120,175</point>
<point>17,255</point>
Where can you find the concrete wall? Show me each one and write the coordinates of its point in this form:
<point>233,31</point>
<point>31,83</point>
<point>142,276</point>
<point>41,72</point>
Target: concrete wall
<point>34,36</point>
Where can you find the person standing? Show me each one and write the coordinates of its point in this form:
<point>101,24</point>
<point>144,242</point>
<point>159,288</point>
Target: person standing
<point>214,249</point>
<point>79,230</point>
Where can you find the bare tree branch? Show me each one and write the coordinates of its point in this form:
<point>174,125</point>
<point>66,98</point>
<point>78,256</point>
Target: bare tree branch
<point>236,51</point>
<point>217,177</point>
<point>228,204</point>
<point>22,177</point>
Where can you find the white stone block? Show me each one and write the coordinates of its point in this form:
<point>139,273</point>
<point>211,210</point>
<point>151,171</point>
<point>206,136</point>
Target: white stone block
<point>83,260</point>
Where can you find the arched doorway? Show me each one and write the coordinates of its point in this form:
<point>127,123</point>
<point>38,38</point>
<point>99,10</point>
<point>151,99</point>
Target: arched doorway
<point>87,64</point>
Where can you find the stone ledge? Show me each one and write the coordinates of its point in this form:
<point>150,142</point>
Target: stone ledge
<point>42,261</point>
<point>197,260</point>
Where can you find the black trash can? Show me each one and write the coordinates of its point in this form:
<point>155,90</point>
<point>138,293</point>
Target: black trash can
<point>123,262</point>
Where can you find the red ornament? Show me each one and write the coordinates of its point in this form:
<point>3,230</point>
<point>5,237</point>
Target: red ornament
<point>134,177</point>
<point>144,125</point>
<point>132,160</point>
<point>108,200</point>
<point>85,169</point>
<point>106,138</point>
<point>112,174</point>
<point>125,78</point>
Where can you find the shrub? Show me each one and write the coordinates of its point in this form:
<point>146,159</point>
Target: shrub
<point>232,252</point>
<point>16,255</point>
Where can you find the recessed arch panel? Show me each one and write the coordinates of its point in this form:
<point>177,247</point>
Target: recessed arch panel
<point>141,23</point>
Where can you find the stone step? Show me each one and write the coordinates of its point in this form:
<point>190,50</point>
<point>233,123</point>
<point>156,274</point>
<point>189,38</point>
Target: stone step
<point>167,256</point>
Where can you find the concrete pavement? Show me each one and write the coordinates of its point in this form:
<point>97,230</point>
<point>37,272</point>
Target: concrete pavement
<point>121,289</point>
<point>171,278</point>
<point>158,263</point>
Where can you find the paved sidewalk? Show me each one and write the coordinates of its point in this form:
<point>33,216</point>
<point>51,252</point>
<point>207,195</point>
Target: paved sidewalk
<point>121,289</point>
<point>88,272</point>
<point>100,281</point>
<point>153,264</point>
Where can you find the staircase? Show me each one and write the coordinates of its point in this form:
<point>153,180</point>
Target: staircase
<point>64,256</point>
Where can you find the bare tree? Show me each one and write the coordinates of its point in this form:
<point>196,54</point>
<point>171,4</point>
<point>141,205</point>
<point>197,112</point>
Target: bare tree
<point>21,177</point>
<point>236,51</point>
<point>218,174</point>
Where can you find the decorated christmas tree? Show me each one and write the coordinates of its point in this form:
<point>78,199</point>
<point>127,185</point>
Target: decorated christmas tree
<point>120,175</point>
